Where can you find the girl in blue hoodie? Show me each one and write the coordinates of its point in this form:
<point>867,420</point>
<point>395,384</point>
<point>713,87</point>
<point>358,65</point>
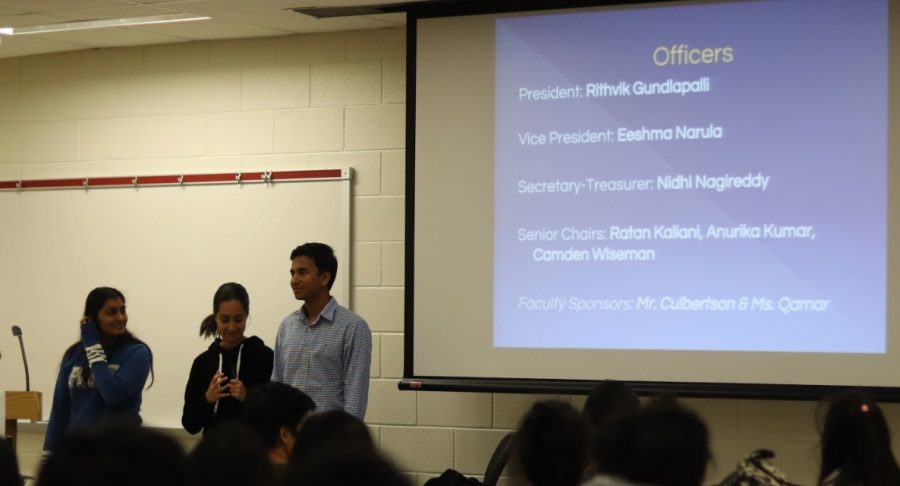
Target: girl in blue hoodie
<point>103,374</point>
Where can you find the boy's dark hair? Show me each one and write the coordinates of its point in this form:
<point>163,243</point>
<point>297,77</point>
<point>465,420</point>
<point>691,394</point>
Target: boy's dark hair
<point>322,255</point>
<point>271,406</point>
<point>609,399</point>
<point>331,430</point>
<point>663,444</point>
<point>552,443</point>
<point>230,455</point>
<point>347,467</point>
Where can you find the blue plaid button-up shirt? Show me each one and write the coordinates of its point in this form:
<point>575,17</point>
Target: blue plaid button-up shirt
<point>329,359</point>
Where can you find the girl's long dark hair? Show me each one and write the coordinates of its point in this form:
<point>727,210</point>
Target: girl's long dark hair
<point>95,301</point>
<point>856,443</point>
<point>227,291</point>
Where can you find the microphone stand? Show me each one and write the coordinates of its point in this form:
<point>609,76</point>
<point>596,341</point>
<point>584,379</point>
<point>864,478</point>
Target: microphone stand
<point>20,405</point>
<point>17,331</point>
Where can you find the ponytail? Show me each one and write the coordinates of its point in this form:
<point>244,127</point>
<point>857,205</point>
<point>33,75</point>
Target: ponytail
<point>208,326</point>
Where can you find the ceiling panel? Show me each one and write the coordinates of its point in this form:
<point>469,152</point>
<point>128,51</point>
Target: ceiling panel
<point>231,19</point>
<point>28,19</point>
<point>211,29</point>
<point>270,14</point>
<point>113,37</point>
<point>396,19</point>
<point>113,13</point>
<point>52,5</point>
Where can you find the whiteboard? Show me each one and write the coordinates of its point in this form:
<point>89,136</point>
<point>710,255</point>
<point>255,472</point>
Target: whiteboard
<point>167,249</point>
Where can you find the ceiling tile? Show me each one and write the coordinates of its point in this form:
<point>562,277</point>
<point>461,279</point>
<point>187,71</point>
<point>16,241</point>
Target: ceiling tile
<point>260,12</point>
<point>114,37</point>
<point>232,19</point>
<point>211,29</point>
<point>113,13</point>
<point>28,19</point>
<point>397,19</point>
<point>51,5</point>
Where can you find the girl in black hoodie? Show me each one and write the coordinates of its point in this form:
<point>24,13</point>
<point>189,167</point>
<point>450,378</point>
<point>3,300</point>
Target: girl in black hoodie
<point>221,375</point>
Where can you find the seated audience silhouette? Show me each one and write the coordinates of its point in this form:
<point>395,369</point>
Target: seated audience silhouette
<point>335,448</point>
<point>114,453</point>
<point>334,429</point>
<point>551,445</point>
<point>662,444</point>
<point>275,411</point>
<point>9,464</point>
<point>855,443</point>
<point>231,454</point>
<point>607,400</point>
<point>351,467</point>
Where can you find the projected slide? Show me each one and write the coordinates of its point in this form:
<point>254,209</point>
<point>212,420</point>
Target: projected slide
<point>708,177</point>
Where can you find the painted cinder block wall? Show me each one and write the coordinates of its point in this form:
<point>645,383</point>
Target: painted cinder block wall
<point>321,100</point>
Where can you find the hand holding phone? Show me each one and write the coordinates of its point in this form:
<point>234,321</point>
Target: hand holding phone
<point>218,387</point>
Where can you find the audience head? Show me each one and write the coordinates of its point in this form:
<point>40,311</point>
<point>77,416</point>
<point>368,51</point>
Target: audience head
<point>607,400</point>
<point>112,454</point>
<point>350,467</point>
<point>551,444</point>
<point>331,430</point>
<point>275,410</point>
<point>9,464</point>
<point>230,455</point>
<point>663,444</point>
<point>856,442</point>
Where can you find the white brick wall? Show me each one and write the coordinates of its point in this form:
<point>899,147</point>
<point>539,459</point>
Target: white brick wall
<point>392,355</point>
<point>334,99</point>
<point>275,87</point>
<point>309,130</point>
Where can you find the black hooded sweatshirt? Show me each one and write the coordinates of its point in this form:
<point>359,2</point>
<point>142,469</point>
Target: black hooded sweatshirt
<point>250,361</point>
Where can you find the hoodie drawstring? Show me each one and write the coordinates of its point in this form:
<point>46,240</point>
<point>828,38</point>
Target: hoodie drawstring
<point>237,371</point>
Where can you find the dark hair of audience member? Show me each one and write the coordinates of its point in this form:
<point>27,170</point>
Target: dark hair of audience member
<point>551,444</point>
<point>114,453</point>
<point>353,466</point>
<point>9,464</point>
<point>272,406</point>
<point>331,430</point>
<point>855,443</point>
<point>231,454</point>
<point>663,444</point>
<point>609,399</point>
<point>606,401</point>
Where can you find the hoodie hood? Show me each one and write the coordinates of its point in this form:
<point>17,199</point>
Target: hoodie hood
<point>251,342</point>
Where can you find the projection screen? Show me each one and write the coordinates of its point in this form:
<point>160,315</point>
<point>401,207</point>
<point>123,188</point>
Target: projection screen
<point>686,196</point>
